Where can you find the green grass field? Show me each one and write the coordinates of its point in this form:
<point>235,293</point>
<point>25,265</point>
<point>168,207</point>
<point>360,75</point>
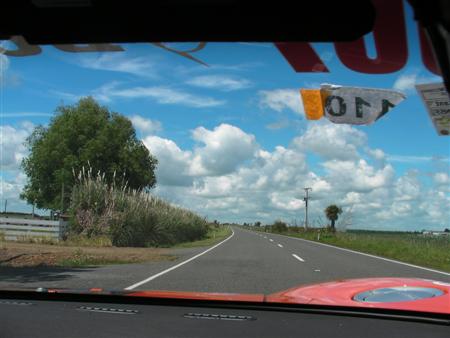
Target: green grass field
<point>428,251</point>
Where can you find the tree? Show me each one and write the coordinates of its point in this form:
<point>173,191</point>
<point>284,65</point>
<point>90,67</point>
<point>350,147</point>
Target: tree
<point>332,212</point>
<point>83,135</point>
<point>258,224</point>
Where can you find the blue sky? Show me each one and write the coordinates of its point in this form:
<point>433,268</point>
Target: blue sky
<point>231,138</point>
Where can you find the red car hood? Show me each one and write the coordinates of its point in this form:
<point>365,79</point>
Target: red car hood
<point>342,293</point>
<point>337,293</point>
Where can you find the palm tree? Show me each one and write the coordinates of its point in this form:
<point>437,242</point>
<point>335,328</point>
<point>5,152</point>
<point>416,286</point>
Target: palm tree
<point>332,212</point>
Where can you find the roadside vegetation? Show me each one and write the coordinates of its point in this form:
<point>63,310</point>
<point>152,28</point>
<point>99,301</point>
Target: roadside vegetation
<point>129,217</point>
<point>415,248</point>
<point>215,235</point>
<point>109,204</point>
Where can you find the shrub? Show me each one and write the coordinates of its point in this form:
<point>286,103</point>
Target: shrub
<point>279,226</point>
<point>129,217</point>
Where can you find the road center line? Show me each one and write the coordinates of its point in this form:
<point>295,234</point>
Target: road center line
<point>270,239</point>
<point>297,257</point>
<point>134,286</point>
<point>280,245</point>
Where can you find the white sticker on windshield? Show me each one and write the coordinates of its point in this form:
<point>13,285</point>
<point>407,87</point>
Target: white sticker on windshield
<point>355,105</point>
<point>437,101</point>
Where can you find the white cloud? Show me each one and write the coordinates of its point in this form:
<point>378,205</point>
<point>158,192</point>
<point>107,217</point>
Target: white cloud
<point>162,95</point>
<point>221,82</point>
<point>406,82</point>
<point>226,175</point>
<point>282,99</point>
<point>331,141</point>
<point>173,163</point>
<point>145,125</point>
<point>358,175</point>
<point>441,178</point>
<point>224,148</point>
<point>266,185</point>
<point>407,188</point>
<point>377,154</point>
<point>12,145</point>
<point>119,62</point>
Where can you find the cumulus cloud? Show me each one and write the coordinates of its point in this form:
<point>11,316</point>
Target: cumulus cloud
<point>331,141</point>
<point>441,178</point>
<point>222,149</point>
<point>145,125</point>
<point>173,163</point>
<point>227,175</point>
<point>221,82</point>
<point>12,144</point>
<point>358,175</point>
<point>282,99</point>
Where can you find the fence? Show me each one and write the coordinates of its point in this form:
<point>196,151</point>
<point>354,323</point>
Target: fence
<point>18,228</point>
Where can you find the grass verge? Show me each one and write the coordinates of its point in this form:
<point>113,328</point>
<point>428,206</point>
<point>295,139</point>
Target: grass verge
<point>426,251</point>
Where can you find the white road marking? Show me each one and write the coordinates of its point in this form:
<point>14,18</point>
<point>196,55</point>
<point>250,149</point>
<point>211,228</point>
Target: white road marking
<point>297,257</point>
<point>270,239</point>
<point>265,236</point>
<point>131,287</point>
<point>317,270</point>
<point>369,255</point>
<point>280,245</point>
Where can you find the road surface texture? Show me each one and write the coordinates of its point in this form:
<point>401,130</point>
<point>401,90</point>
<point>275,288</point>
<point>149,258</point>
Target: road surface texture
<point>246,262</point>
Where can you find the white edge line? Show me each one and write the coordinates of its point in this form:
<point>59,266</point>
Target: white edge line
<point>297,257</point>
<point>280,245</point>
<point>369,255</point>
<point>131,287</point>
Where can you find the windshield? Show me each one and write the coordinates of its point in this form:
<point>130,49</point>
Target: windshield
<point>223,167</point>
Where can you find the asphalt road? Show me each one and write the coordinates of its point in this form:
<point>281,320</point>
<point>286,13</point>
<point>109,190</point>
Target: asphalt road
<point>247,262</point>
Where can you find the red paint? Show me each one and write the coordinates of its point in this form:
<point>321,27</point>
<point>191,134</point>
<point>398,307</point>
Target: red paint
<point>390,39</point>
<point>426,52</point>
<point>301,57</point>
<point>337,293</point>
<point>340,293</point>
<point>238,297</point>
<point>389,33</point>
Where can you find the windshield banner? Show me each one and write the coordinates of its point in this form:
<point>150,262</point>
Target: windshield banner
<point>355,105</point>
<point>437,102</point>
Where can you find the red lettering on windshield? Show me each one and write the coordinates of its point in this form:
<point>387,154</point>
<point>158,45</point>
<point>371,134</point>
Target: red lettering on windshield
<point>301,56</point>
<point>389,33</point>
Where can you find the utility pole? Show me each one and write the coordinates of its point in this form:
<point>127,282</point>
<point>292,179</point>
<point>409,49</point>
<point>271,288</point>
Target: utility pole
<point>306,198</point>
<point>6,203</point>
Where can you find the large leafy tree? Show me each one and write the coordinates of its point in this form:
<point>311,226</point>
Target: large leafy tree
<point>83,135</point>
<point>332,212</point>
